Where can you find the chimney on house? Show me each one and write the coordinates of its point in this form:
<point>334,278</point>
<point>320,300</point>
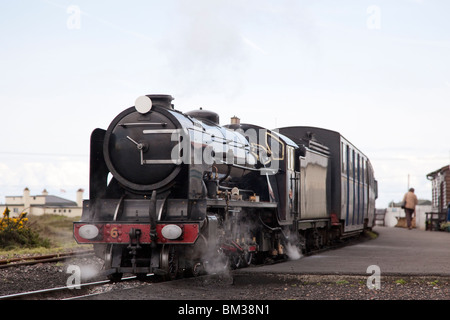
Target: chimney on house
<point>80,197</point>
<point>26,199</point>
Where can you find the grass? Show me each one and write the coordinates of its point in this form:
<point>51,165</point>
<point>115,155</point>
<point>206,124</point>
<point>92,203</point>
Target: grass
<point>57,229</point>
<point>434,283</point>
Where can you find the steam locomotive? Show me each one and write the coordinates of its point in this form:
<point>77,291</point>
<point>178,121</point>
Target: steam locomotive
<point>176,194</point>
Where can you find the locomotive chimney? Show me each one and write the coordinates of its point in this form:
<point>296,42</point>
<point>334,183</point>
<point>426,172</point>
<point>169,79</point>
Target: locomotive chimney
<point>235,120</point>
<point>163,100</point>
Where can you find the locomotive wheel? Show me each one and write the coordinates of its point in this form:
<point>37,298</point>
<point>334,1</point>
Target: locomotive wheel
<point>236,261</point>
<point>195,270</point>
<point>241,260</point>
<point>169,262</point>
<point>248,256</point>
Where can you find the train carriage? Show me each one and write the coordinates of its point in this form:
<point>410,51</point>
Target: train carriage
<point>353,188</point>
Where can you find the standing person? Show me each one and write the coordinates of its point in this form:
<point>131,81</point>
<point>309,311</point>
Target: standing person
<point>410,201</point>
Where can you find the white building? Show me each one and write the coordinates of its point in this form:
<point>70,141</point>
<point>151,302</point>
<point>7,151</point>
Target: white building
<point>396,217</point>
<point>43,204</point>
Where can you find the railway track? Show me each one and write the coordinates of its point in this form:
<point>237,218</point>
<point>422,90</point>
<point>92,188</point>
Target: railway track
<point>89,288</point>
<point>11,262</point>
<point>67,292</point>
<point>70,292</point>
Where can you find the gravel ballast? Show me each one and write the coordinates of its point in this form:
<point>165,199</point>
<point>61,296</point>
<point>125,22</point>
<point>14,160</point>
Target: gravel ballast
<point>234,286</point>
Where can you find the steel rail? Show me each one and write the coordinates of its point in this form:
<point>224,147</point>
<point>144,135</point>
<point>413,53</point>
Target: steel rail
<point>53,290</point>
<point>6,263</point>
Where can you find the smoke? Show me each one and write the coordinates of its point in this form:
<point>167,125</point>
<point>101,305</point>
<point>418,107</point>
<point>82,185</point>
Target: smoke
<point>82,272</point>
<point>215,46</point>
<point>89,271</point>
<point>207,50</point>
<point>292,246</point>
<point>216,264</point>
<point>293,252</point>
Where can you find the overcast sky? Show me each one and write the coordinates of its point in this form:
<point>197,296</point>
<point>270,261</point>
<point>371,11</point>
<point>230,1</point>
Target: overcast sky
<point>376,71</point>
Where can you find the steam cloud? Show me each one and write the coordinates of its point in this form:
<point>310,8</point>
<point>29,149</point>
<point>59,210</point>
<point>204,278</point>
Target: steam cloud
<point>293,252</point>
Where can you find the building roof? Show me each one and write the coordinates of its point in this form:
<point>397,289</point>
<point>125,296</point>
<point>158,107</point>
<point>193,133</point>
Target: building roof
<point>49,201</point>
<point>432,175</point>
<point>54,201</point>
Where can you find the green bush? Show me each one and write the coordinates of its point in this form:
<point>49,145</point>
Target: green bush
<point>14,232</point>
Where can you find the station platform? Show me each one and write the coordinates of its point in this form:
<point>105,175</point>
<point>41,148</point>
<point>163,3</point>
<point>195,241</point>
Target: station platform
<point>396,251</point>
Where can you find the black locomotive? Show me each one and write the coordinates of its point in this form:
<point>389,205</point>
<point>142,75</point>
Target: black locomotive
<point>174,193</point>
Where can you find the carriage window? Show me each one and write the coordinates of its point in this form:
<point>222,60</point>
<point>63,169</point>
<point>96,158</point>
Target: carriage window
<point>352,164</point>
<point>344,158</point>
<point>358,167</point>
<point>349,161</point>
<point>275,146</point>
<point>363,171</point>
<point>366,176</point>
